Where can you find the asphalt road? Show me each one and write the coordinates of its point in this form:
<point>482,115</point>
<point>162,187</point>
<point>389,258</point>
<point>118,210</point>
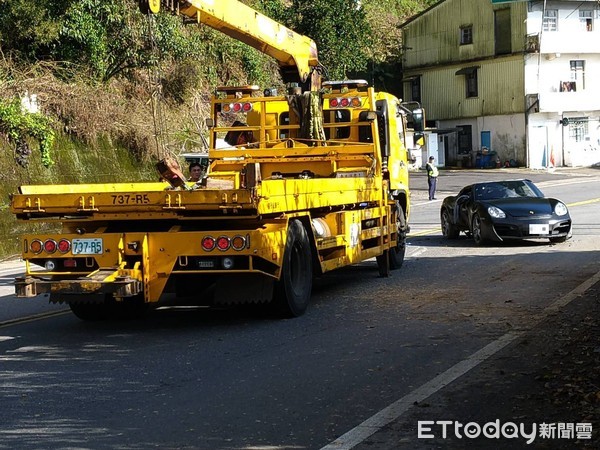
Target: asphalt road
<point>338,377</point>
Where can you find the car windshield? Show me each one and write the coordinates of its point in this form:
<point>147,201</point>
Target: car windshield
<point>506,189</point>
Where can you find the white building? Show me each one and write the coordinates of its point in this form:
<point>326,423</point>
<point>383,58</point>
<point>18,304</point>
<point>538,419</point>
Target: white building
<point>508,81</point>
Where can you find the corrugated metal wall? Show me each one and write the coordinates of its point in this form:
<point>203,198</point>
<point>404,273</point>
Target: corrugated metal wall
<point>435,55</point>
<point>434,37</point>
<point>500,87</point>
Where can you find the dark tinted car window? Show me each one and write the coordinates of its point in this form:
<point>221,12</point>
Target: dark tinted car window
<point>506,189</point>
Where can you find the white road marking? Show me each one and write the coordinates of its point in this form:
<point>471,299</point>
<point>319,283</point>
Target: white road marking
<point>392,412</point>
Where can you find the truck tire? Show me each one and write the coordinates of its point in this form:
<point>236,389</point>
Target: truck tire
<point>383,264</point>
<point>292,291</point>
<point>128,309</point>
<point>397,253</point>
<point>393,258</point>
<point>90,312</point>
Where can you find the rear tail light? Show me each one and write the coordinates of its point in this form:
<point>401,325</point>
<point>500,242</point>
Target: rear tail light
<point>237,107</point>
<point>223,243</point>
<point>345,102</point>
<point>50,246</point>
<point>208,243</point>
<point>64,246</point>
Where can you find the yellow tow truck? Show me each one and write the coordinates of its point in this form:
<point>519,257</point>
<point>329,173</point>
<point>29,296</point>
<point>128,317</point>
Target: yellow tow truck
<point>321,183</point>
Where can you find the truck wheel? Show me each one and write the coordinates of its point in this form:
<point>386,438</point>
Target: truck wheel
<point>383,264</point>
<point>393,258</point>
<point>90,311</point>
<point>128,309</point>
<point>397,253</point>
<point>292,291</point>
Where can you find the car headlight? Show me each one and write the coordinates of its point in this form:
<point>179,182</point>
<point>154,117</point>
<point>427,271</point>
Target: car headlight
<point>496,213</point>
<point>560,209</point>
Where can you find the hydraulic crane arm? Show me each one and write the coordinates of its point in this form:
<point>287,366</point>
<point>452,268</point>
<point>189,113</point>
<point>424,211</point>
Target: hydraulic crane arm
<point>295,53</point>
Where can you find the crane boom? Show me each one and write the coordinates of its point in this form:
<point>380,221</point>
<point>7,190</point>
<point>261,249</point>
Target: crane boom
<point>295,53</point>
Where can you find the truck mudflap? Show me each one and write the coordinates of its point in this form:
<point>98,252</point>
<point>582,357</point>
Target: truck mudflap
<point>99,282</point>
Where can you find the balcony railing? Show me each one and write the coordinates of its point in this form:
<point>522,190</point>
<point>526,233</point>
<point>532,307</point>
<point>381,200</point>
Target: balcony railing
<point>532,43</point>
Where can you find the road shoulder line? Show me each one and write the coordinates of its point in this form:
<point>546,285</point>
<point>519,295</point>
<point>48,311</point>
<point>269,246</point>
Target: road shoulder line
<point>392,412</point>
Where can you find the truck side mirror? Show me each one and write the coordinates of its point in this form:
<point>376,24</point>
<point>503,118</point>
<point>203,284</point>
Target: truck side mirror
<point>418,119</point>
<point>419,139</point>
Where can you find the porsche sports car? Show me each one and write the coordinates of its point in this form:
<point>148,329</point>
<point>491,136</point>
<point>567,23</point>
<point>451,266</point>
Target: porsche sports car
<point>503,210</point>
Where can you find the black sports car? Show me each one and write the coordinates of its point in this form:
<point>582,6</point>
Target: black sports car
<point>502,210</point>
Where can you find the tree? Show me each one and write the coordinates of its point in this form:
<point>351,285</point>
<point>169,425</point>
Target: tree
<point>29,30</point>
<point>113,37</point>
<point>339,28</point>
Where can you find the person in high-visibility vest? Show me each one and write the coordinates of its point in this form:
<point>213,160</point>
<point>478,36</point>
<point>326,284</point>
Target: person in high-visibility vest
<point>432,174</point>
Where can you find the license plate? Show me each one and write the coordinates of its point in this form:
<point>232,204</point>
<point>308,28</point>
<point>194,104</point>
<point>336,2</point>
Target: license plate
<point>539,228</point>
<point>92,246</point>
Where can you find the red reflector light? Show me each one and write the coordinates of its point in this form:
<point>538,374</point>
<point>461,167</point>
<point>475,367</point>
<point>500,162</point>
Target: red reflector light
<point>345,102</point>
<point>64,246</point>
<point>333,103</point>
<point>36,246</point>
<point>223,243</point>
<point>247,107</point>
<point>208,243</point>
<point>237,107</point>
<point>50,245</point>
<point>70,263</point>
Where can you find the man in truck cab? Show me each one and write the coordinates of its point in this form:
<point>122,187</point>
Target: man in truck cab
<point>195,172</point>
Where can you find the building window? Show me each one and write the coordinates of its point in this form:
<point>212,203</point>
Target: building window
<point>586,21</point>
<point>470,74</point>
<point>502,32</point>
<point>415,89</point>
<point>578,129</point>
<point>568,86</point>
<point>466,35</point>
<point>578,73</point>
<point>471,79</point>
<point>550,20</point>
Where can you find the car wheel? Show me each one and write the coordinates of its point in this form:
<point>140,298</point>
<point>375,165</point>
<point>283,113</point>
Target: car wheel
<point>448,229</point>
<point>476,230</point>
